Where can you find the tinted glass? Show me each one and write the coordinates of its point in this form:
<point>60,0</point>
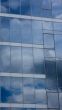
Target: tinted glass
<point>5,6</point>
<point>46,4</point>
<point>49,53</point>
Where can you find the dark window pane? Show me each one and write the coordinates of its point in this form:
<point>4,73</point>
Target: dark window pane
<point>4,59</point>
<point>38,61</point>
<point>37,32</point>
<point>26,31</point>
<point>15,30</point>
<point>27,60</point>
<point>36,7</point>
<point>53,100</point>
<point>4,29</point>
<point>5,89</point>
<point>14,6</point>
<point>48,41</point>
<point>5,6</point>
<point>16,61</point>
<point>28,90</point>
<point>25,7</point>
<point>4,108</point>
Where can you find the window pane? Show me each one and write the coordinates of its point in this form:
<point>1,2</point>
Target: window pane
<point>16,90</point>
<point>28,90</point>
<point>14,6</point>
<point>36,7</point>
<point>59,73</point>
<point>16,61</point>
<point>5,89</point>
<point>47,27</point>
<point>57,26</point>
<point>49,53</point>
<point>40,83</point>
<point>26,35</point>
<point>37,32</point>
<point>25,7</point>
<point>48,41</point>
<point>15,30</point>
<point>38,61</point>
<point>40,97</point>
<point>4,29</point>
<point>58,46</point>
<point>60,99</point>
<point>46,13</point>
<point>46,4</point>
<point>27,60</point>
<point>4,108</point>
<point>4,59</point>
<point>5,6</point>
<point>53,100</point>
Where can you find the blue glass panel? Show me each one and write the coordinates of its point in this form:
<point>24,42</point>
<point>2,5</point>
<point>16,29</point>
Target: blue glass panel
<point>5,89</point>
<point>36,7</point>
<point>60,100</point>
<point>4,59</point>
<point>16,60</point>
<point>58,46</point>
<point>46,13</point>
<point>46,4</point>
<point>5,6</point>
<point>37,32</point>
<point>26,31</point>
<point>25,7</point>
<point>4,108</point>
<point>16,90</point>
<point>28,90</point>
<point>15,30</point>
<point>14,6</point>
<point>27,60</point>
<point>49,53</point>
<point>4,29</point>
<point>53,100</point>
<point>38,61</point>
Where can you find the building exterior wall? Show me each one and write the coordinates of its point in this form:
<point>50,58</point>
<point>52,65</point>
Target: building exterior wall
<point>30,54</point>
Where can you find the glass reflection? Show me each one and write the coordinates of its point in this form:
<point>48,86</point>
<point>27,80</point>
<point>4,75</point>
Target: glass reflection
<point>49,53</point>
<point>26,35</point>
<point>46,4</point>
<point>28,90</point>
<point>36,7</point>
<point>5,6</point>
<point>60,100</point>
<point>48,41</point>
<point>16,60</point>
<point>4,29</point>
<point>38,61</point>
<point>53,100</point>
<point>16,90</point>
<point>14,6</point>
<point>25,7</point>
<point>4,59</point>
<point>4,108</point>
<point>5,89</point>
<point>37,32</point>
<point>27,60</point>
<point>15,30</point>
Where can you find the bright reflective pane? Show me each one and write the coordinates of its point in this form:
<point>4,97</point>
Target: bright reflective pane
<point>53,100</point>
<point>49,53</point>
<point>16,60</point>
<point>28,90</point>
<point>37,32</point>
<point>4,59</point>
<point>26,31</point>
<point>38,61</point>
<point>48,41</point>
<point>57,26</point>
<point>15,30</point>
<point>27,60</point>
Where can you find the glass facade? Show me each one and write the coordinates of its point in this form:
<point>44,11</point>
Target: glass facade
<point>30,55</point>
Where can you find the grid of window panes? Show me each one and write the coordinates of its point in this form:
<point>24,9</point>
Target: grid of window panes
<point>41,8</point>
<point>29,48</point>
